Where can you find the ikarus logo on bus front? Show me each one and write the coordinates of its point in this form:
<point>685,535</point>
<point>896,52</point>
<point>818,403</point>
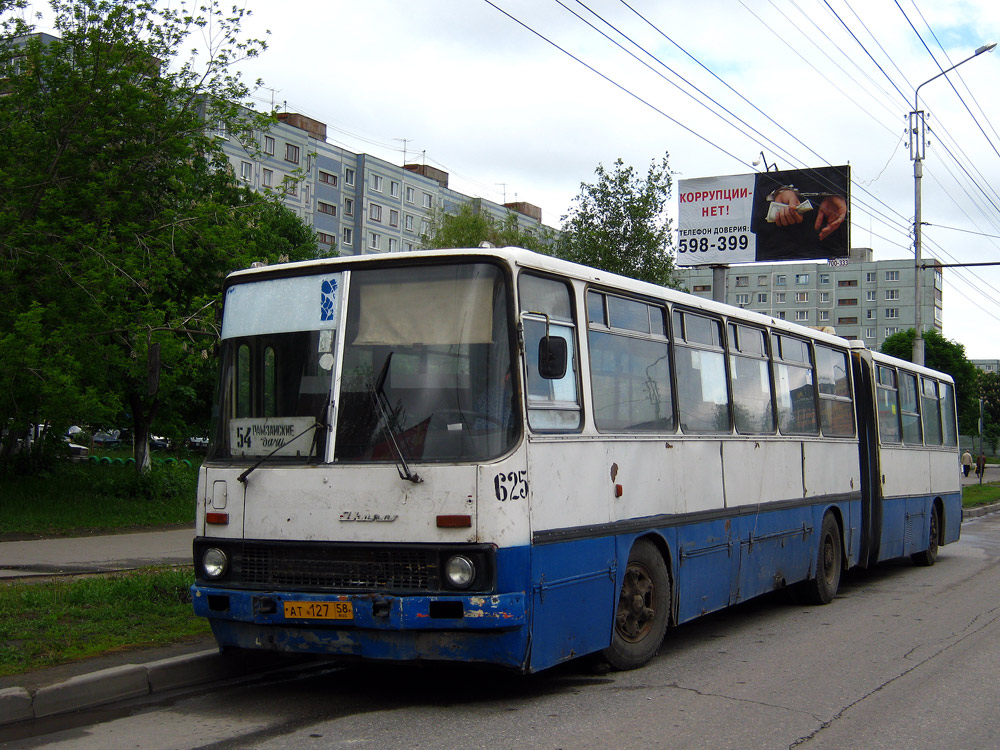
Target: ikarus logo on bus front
<point>353,515</point>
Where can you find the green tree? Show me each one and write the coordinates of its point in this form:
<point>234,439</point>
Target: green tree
<point>989,392</point>
<point>946,356</point>
<point>471,226</point>
<point>119,216</point>
<point>620,224</point>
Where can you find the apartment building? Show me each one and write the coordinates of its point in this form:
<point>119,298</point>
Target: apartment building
<point>859,299</point>
<point>357,203</point>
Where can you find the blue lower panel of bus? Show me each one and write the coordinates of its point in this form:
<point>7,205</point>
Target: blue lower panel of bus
<point>906,523</point>
<point>488,628</point>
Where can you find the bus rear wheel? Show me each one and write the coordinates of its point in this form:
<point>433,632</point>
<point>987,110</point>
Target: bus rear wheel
<point>929,556</point>
<point>643,609</point>
<point>829,562</point>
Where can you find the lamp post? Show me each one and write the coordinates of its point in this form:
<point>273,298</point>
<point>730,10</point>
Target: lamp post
<point>917,146</point>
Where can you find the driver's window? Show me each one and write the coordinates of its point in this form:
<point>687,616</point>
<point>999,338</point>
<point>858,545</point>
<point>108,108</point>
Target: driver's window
<point>547,304</point>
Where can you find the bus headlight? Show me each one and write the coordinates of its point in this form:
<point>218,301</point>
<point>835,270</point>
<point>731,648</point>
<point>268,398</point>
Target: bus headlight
<point>460,571</point>
<point>214,562</point>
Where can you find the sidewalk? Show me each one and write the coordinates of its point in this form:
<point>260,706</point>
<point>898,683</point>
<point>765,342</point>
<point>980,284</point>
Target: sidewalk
<point>95,554</point>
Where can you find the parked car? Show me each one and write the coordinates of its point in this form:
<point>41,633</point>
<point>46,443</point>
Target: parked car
<point>107,438</point>
<point>199,444</point>
<point>159,443</point>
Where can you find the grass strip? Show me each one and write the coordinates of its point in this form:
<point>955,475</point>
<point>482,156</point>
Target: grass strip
<point>79,497</point>
<point>980,494</point>
<point>48,623</point>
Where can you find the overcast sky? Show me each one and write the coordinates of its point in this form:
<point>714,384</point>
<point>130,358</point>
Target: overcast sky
<point>510,116</point>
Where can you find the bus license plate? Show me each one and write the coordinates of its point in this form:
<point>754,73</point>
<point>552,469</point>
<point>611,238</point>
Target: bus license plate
<point>319,611</point>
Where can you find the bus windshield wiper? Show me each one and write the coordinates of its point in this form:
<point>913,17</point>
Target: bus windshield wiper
<point>385,411</point>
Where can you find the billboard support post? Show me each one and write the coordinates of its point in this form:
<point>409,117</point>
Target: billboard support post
<point>719,282</point>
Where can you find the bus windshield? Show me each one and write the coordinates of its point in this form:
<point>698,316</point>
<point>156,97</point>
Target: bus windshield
<point>425,371</point>
<point>427,366</point>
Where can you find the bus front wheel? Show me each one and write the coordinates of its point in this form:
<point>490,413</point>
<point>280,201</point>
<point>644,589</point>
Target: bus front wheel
<point>643,609</point>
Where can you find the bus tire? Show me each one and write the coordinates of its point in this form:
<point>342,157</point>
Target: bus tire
<point>929,556</point>
<point>643,609</point>
<point>829,562</point>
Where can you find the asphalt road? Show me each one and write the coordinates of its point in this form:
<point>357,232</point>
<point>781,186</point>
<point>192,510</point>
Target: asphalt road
<point>904,657</point>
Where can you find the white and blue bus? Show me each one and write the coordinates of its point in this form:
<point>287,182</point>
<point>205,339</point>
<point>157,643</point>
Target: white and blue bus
<point>495,456</point>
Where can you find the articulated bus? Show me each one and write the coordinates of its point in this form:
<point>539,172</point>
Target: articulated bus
<point>494,456</point>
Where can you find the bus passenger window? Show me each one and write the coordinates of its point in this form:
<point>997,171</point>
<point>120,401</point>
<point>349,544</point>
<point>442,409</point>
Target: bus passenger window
<point>630,373</point>
<point>793,386</point>
<point>888,405</point>
<point>932,412</point>
<point>270,384</point>
<point>909,408</point>
<point>702,391</point>
<point>836,407</point>
<point>243,408</point>
<point>545,304</point>
<point>751,380</point>
<point>948,415</point>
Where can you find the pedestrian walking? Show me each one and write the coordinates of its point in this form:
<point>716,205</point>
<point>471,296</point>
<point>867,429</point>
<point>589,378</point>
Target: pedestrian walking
<point>967,463</point>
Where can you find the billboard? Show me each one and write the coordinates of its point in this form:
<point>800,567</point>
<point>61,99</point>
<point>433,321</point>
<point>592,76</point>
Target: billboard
<point>795,214</point>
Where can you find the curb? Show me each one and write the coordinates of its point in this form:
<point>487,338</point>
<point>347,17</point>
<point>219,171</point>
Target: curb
<point>980,510</point>
<point>133,681</point>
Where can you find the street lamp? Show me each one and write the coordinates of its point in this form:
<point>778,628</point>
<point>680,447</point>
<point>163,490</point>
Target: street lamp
<point>917,146</point>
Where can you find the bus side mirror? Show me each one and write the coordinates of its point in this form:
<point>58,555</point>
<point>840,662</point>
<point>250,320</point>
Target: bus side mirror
<point>552,357</point>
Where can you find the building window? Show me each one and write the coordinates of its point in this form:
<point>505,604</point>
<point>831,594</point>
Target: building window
<point>891,313</point>
<point>394,188</point>
<point>269,145</point>
<point>702,288</point>
<point>781,315</point>
<point>374,240</point>
<point>348,207</point>
<point>409,247</point>
<point>348,235</point>
<point>425,226</point>
<point>847,302</point>
<point>891,332</point>
<point>291,187</point>
<point>824,296</point>
<point>268,177</point>
<point>427,200</point>
<point>326,208</point>
<point>847,282</point>
<point>762,280</point>
<point>762,298</point>
<point>869,315</point>
<point>824,278</point>
<point>869,333</point>
<point>870,276</point>
<point>393,218</point>
<point>742,299</point>
<point>329,179</point>
<point>780,279</point>
<point>801,278</point>
<point>324,238</point>
<point>408,222</point>
<point>393,244</point>
<point>246,171</point>
<point>349,177</point>
<point>742,281</point>
<point>779,297</point>
<point>375,212</point>
<point>869,296</point>
<point>376,183</point>
<point>292,153</point>
<point>802,296</point>
<point>409,194</point>
<point>892,275</point>
<point>847,321</point>
<point>801,315</point>
<point>891,294</point>
<point>824,315</point>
